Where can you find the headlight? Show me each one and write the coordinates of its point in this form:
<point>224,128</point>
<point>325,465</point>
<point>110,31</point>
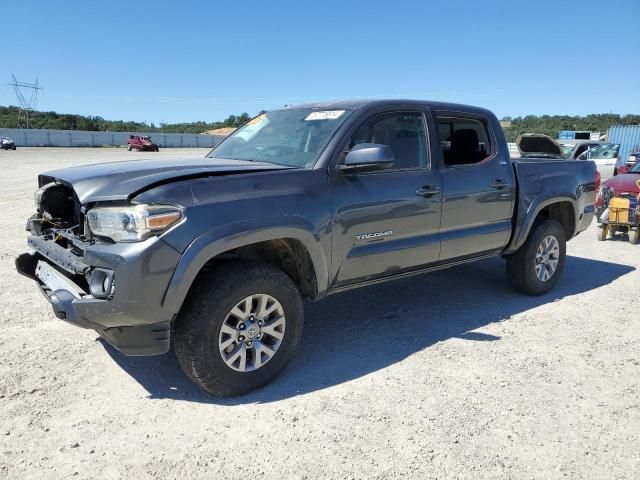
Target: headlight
<point>132,223</point>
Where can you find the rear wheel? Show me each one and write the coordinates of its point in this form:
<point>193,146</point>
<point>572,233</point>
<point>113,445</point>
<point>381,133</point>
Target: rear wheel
<point>537,265</point>
<point>634,236</point>
<point>239,327</point>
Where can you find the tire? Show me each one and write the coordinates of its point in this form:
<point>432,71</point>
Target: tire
<point>198,336</point>
<point>522,266</point>
<point>128,148</point>
<point>603,231</point>
<point>634,236</point>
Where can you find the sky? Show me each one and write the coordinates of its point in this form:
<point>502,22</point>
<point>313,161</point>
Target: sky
<point>185,61</point>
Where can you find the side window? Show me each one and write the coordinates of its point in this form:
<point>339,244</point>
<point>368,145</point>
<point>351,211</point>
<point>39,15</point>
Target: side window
<point>464,141</point>
<point>404,132</point>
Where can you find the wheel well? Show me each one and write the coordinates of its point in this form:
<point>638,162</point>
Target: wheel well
<point>288,254</point>
<point>563,213</point>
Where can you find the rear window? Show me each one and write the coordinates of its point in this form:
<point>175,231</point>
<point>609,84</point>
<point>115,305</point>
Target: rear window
<point>464,141</point>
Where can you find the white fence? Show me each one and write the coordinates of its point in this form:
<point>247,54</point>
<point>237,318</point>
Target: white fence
<point>80,138</point>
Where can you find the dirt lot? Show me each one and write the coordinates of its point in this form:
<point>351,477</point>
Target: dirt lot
<point>450,375</point>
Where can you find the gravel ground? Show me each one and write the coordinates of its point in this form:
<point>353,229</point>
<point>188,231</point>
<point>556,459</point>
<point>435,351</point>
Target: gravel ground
<point>449,375</point>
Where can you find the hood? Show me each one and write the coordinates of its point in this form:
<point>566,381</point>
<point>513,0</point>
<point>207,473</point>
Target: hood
<point>531,144</point>
<point>124,180</point>
<point>624,183</point>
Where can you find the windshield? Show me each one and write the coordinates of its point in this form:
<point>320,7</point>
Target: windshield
<point>635,168</point>
<point>567,149</point>
<point>607,150</point>
<point>293,137</point>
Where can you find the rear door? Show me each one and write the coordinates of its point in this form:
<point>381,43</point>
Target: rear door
<point>478,184</point>
<point>387,222</point>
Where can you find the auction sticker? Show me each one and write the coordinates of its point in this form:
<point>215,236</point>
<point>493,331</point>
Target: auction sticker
<point>325,115</point>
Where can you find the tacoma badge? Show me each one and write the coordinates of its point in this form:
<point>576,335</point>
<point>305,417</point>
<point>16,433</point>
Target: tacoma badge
<point>367,236</point>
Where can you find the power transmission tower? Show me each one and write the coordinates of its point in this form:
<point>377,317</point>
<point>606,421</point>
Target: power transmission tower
<point>27,103</point>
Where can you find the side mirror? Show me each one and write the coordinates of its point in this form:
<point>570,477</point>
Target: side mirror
<point>368,157</point>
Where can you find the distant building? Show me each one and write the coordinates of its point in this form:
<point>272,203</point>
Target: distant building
<point>571,137</point>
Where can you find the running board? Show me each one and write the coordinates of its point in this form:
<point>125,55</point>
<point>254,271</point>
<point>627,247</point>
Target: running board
<point>411,273</point>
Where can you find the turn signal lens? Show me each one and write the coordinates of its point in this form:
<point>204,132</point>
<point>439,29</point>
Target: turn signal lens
<point>163,220</point>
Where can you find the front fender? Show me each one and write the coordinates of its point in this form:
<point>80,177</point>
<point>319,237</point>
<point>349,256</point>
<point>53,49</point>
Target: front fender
<point>237,234</point>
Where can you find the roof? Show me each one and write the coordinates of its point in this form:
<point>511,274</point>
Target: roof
<point>354,104</point>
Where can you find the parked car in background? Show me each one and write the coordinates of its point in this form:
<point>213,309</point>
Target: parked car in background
<point>631,161</point>
<point>622,186</point>
<point>567,148</point>
<point>141,143</point>
<point>7,144</point>
<point>580,147</point>
<point>605,156</point>
<point>538,145</point>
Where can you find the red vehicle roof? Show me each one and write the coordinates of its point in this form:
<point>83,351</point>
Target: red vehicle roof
<point>624,183</point>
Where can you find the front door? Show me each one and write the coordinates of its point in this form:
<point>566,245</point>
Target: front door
<point>387,222</point>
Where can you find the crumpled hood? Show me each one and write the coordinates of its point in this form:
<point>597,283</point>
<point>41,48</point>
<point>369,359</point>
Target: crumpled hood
<point>124,180</point>
<point>624,183</point>
<point>532,143</point>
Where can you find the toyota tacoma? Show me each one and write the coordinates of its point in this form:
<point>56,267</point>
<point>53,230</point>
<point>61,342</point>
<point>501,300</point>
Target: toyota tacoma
<point>216,255</point>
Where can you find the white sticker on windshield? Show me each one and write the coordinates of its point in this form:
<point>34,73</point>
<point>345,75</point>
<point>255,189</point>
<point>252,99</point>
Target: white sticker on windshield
<point>325,115</point>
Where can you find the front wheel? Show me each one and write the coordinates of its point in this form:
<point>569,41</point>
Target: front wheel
<point>634,236</point>
<point>603,231</point>
<point>537,265</point>
<point>240,325</point>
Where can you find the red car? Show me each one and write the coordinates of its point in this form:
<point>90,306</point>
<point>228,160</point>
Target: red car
<point>141,143</point>
<point>633,160</point>
<point>624,185</point>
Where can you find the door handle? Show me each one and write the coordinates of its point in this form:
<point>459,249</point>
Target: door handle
<point>427,191</point>
<point>499,184</point>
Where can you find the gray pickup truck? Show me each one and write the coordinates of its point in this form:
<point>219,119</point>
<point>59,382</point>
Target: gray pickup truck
<point>216,255</point>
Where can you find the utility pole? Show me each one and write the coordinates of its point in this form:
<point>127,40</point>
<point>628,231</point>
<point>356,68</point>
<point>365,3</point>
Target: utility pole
<point>28,103</point>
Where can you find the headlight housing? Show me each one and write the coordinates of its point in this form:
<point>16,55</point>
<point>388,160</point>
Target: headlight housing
<point>132,223</point>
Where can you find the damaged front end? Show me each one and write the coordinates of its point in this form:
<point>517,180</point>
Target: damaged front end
<point>92,281</point>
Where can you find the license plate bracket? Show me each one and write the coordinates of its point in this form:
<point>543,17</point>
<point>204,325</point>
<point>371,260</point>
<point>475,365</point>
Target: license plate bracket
<point>54,280</point>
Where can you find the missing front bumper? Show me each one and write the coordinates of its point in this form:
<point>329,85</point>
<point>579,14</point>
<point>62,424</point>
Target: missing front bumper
<point>71,304</point>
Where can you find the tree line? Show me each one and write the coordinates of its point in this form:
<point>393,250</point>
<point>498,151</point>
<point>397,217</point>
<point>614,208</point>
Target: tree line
<point>68,121</point>
<point>547,124</point>
<point>552,124</point>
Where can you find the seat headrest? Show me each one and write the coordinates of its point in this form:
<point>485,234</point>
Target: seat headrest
<point>465,139</point>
